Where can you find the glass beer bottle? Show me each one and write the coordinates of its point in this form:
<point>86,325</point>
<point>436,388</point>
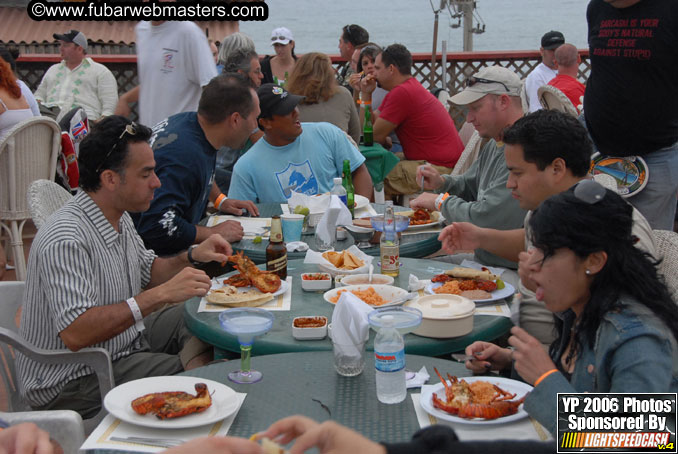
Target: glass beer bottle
<point>389,246</point>
<point>368,136</point>
<point>276,251</point>
<point>347,182</point>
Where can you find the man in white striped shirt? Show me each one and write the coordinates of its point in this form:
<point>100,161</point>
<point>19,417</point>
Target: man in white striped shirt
<point>92,283</point>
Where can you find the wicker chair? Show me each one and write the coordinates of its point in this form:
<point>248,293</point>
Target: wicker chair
<point>553,99</point>
<point>667,249</point>
<point>28,152</point>
<point>469,154</point>
<point>44,198</point>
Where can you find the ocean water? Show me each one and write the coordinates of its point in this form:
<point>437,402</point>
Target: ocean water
<point>509,24</point>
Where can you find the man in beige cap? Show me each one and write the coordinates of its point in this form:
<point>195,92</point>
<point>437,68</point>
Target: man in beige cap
<point>78,81</point>
<point>480,196</point>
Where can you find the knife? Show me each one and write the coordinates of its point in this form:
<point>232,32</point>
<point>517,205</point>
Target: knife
<point>462,358</point>
<point>400,300</point>
<point>157,442</point>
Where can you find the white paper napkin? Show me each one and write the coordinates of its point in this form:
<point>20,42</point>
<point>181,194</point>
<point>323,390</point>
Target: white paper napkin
<point>523,429</point>
<point>419,378</point>
<point>349,323</point>
<point>278,303</point>
<point>294,246</point>
<point>252,226</point>
<point>336,214</point>
<point>414,283</point>
<point>365,212</point>
<point>113,427</point>
<point>315,204</point>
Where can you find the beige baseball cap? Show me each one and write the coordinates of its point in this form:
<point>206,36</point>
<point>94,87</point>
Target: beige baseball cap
<point>495,80</point>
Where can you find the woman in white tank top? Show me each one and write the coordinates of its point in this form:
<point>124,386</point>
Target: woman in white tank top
<point>13,105</point>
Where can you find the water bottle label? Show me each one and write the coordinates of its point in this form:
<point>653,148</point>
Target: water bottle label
<point>344,199</point>
<point>389,362</point>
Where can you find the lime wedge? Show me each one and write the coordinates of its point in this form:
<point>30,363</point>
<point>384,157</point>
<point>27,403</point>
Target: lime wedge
<point>257,240</point>
<point>500,284</point>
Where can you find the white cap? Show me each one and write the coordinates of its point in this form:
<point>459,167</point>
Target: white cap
<point>281,35</point>
<point>337,180</point>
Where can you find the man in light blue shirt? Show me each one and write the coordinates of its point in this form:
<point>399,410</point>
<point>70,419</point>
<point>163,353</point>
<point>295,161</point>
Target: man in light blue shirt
<point>292,158</point>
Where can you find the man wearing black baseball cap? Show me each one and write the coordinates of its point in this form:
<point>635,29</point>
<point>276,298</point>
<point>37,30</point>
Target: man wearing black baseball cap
<point>78,81</point>
<point>294,157</point>
<point>546,70</point>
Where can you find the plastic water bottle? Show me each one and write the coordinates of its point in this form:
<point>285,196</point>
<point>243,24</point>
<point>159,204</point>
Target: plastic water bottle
<point>338,190</point>
<point>389,360</point>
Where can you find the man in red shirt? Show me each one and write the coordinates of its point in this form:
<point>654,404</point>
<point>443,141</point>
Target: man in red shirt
<point>567,62</point>
<point>420,121</point>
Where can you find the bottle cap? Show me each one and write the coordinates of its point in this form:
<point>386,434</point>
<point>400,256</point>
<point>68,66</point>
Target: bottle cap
<point>337,180</point>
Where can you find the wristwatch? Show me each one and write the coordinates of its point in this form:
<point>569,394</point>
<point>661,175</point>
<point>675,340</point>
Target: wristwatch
<point>191,260</point>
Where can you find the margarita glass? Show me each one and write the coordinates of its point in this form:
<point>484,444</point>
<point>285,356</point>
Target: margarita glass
<point>246,323</point>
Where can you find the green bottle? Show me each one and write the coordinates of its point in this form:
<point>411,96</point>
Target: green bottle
<point>347,183</point>
<point>368,138</point>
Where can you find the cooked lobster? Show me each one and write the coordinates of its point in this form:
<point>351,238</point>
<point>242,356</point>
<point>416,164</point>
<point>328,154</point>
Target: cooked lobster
<point>462,400</point>
<point>173,404</point>
<point>265,281</point>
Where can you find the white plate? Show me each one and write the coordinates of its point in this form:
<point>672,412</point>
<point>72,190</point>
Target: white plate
<point>283,285</point>
<point>434,214</point>
<point>500,294</point>
<point>118,401</point>
<point>387,292</point>
<point>512,386</point>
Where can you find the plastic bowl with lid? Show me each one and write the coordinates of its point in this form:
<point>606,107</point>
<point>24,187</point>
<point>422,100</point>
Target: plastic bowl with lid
<point>444,316</point>
<point>405,319</point>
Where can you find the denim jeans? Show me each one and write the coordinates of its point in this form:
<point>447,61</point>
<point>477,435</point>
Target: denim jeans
<point>657,201</point>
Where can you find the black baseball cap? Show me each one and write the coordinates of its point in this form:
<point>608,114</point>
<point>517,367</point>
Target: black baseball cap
<point>74,36</point>
<point>275,100</point>
<point>552,40</point>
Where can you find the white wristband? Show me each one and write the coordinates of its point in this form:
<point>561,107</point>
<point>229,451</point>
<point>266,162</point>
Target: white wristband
<point>136,312</point>
<point>438,201</point>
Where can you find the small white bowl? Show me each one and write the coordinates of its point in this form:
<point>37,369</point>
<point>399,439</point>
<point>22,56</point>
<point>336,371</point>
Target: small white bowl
<point>311,285</point>
<point>341,233</point>
<point>310,333</point>
<point>358,279</point>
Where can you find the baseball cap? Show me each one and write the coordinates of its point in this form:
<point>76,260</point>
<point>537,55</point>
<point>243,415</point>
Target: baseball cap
<point>74,36</point>
<point>281,35</point>
<point>275,100</point>
<point>552,40</point>
<point>495,80</point>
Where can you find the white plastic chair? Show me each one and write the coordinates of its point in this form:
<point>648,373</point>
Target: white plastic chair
<point>44,198</point>
<point>11,296</point>
<point>64,426</point>
<point>28,152</point>
<point>553,99</point>
<point>666,242</point>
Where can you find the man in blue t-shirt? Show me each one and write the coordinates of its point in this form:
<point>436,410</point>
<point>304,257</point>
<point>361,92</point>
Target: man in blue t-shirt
<point>185,148</point>
<point>292,158</point>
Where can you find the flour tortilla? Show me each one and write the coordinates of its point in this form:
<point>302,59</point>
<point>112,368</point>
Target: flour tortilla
<point>470,273</point>
<point>230,297</point>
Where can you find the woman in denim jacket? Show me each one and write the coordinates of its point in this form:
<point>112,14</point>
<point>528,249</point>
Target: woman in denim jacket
<point>616,320</point>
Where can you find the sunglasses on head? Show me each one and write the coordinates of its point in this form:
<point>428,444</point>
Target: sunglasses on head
<point>276,38</point>
<point>471,81</point>
<point>588,191</point>
<point>131,130</point>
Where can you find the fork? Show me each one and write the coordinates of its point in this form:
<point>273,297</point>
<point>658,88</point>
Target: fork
<point>159,442</point>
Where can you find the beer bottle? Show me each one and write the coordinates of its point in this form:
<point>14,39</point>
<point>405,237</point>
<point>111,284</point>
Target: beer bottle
<point>347,182</point>
<point>368,138</point>
<point>276,252</point>
<point>389,247</point>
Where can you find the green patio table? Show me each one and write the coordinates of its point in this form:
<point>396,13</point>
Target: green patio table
<point>414,245</point>
<point>279,339</point>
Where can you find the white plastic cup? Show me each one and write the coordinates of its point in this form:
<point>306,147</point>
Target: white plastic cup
<point>292,225</point>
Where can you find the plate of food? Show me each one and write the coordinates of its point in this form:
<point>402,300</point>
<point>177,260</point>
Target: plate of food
<point>468,400</point>
<point>422,218</point>
<point>344,262</point>
<point>481,286</point>
<point>248,286</point>
<point>374,295</point>
<point>171,402</point>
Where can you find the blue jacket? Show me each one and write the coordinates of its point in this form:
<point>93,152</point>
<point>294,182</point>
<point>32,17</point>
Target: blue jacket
<point>634,352</point>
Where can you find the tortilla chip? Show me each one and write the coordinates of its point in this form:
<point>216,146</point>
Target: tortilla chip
<point>335,258</point>
<point>351,262</point>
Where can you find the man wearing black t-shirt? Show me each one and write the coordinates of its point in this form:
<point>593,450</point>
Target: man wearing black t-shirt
<point>631,100</point>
